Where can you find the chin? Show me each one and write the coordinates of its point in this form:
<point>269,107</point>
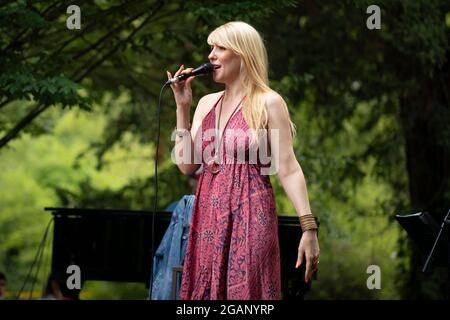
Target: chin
<point>218,80</point>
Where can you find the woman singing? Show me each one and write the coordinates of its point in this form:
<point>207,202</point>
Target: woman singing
<point>233,250</point>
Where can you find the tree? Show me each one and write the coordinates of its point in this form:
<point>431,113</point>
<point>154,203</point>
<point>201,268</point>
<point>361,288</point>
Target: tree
<point>402,70</point>
<point>120,43</point>
<point>323,59</point>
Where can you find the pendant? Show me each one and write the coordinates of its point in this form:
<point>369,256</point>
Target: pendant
<point>213,166</point>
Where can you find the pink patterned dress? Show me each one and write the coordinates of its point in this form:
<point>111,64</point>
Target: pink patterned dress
<point>232,251</point>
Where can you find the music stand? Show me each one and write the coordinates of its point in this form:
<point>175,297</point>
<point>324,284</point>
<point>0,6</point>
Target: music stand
<point>429,237</point>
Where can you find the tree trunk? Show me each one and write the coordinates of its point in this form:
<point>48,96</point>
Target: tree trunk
<point>428,166</point>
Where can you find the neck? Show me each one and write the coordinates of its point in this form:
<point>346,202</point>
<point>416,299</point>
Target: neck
<point>234,90</point>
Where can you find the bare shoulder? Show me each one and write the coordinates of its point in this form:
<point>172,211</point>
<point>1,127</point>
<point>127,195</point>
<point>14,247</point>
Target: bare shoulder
<point>275,104</point>
<point>206,103</point>
<point>204,106</point>
<point>273,100</point>
<point>277,110</point>
<point>210,97</point>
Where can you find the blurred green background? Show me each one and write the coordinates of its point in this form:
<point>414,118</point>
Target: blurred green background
<point>78,110</point>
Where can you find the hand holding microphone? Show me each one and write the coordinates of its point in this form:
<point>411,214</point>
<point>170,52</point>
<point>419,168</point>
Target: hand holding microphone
<point>204,69</point>
<point>181,89</point>
<point>181,83</point>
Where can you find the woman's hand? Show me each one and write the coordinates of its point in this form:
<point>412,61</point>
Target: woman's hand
<point>309,249</point>
<point>182,89</point>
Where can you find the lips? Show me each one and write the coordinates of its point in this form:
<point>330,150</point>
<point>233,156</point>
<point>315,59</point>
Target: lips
<point>216,66</point>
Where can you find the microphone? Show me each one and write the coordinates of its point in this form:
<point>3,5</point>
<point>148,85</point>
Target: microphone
<point>204,69</point>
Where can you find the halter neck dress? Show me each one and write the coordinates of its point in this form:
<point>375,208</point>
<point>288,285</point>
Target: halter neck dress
<point>232,250</point>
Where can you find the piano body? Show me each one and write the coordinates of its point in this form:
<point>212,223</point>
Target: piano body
<point>116,245</point>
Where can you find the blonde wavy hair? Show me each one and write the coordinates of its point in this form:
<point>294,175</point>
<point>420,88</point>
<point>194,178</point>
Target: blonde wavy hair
<point>246,42</point>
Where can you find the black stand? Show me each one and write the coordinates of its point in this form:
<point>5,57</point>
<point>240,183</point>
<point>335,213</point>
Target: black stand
<point>436,241</point>
<point>426,233</point>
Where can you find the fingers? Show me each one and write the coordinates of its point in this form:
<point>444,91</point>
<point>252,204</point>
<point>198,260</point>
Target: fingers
<point>190,79</point>
<point>169,75</point>
<point>187,71</point>
<point>312,265</point>
<point>180,69</point>
<point>299,258</point>
<point>187,82</point>
<point>308,271</point>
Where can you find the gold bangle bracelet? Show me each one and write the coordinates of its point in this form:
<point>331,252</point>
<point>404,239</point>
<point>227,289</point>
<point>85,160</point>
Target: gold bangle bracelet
<point>308,222</point>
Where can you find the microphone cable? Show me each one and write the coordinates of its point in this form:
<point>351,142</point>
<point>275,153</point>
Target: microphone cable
<point>155,200</point>
<point>37,260</point>
<point>208,67</point>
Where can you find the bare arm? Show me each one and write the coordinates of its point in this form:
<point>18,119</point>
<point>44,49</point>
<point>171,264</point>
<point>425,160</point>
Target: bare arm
<point>290,172</point>
<point>292,178</point>
<point>184,147</point>
<point>183,154</point>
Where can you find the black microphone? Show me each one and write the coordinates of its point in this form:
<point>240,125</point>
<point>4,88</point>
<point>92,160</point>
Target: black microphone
<point>204,69</point>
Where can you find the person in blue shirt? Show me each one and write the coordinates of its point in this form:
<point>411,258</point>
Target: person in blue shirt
<point>171,251</point>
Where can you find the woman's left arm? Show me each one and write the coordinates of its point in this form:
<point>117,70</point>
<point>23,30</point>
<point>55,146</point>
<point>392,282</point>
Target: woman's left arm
<point>291,177</point>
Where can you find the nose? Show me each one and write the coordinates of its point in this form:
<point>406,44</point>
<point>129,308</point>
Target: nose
<point>212,55</point>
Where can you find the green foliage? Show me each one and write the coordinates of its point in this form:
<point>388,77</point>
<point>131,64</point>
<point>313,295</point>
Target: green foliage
<point>56,170</point>
<point>22,84</point>
<point>94,290</point>
<point>356,96</point>
<point>236,10</point>
<point>18,14</point>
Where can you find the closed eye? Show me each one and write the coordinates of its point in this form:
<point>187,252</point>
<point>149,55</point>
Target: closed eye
<point>220,47</point>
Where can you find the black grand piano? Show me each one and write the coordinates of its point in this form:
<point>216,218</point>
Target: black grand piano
<point>116,245</point>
